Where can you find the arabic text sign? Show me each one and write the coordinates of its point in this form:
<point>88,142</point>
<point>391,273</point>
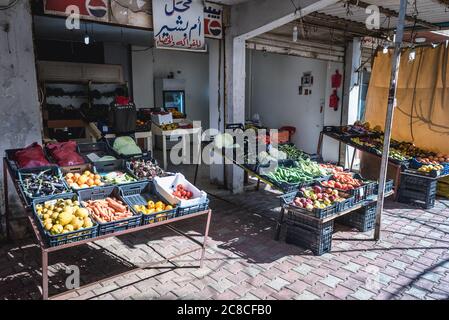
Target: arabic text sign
<point>179,24</point>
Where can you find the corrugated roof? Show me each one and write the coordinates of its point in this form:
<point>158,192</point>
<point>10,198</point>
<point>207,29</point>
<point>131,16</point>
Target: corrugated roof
<point>431,11</point>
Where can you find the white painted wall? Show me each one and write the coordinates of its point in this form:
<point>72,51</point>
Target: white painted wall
<point>193,67</point>
<point>274,95</point>
<point>142,65</point>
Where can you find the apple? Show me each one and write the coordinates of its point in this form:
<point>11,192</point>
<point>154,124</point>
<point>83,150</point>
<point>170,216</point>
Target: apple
<point>309,206</point>
<point>319,196</point>
<point>329,191</point>
<point>317,189</point>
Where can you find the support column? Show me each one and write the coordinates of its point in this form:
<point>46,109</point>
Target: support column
<point>351,94</point>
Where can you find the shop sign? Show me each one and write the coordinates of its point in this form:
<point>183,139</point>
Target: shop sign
<point>89,9</point>
<point>179,24</point>
<point>213,20</point>
<point>136,13</point>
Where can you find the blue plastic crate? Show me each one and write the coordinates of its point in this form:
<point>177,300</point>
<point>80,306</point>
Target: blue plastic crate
<point>115,226</point>
<point>317,241</point>
<point>363,219</point>
<point>70,237</point>
<point>193,209</point>
<point>140,194</point>
<point>287,200</point>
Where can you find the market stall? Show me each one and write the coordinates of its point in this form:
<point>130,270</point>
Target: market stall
<point>75,194</point>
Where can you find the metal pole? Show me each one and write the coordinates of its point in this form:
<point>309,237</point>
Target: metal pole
<point>389,119</point>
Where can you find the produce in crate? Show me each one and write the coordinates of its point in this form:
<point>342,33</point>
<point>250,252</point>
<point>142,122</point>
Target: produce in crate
<point>317,198</point>
<point>36,185</point>
<point>118,177</point>
<point>85,180</point>
<point>126,145</point>
<point>107,210</point>
<point>146,169</point>
<point>292,152</point>
<point>331,168</point>
<point>303,170</point>
<point>431,167</point>
<point>152,207</point>
<point>63,216</point>
<point>433,160</point>
<point>182,193</point>
<point>343,181</point>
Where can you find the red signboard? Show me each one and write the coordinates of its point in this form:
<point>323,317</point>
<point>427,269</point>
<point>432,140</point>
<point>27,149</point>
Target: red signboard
<point>88,9</point>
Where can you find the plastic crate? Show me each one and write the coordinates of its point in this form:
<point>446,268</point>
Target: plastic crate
<point>308,238</point>
<point>100,149</point>
<point>361,193</point>
<point>13,165</point>
<point>389,186</point>
<point>81,169</point>
<point>53,170</point>
<point>295,218</point>
<point>193,209</point>
<point>60,239</point>
<point>287,200</point>
<point>140,194</point>
<point>115,226</point>
<point>417,198</point>
<point>418,190</point>
<point>105,167</point>
<point>346,204</point>
<point>363,219</point>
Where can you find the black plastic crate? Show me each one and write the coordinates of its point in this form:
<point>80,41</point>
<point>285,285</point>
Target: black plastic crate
<point>287,200</point>
<point>346,204</point>
<point>105,167</point>
<point>363,219</point>
<point>13,165</point>
<point>418,183</point>
<point>426,201</point>
<point>53,170</point>
<point>193,209</point>
<point>389,186</point>
<point>301,220</point>
<point>60,239</point>
<point>115,226</point>
<point>101,149</point>
<point>140,194</point>
<point>308,238</point>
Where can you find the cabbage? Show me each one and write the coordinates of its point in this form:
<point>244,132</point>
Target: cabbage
<point>126,146</point>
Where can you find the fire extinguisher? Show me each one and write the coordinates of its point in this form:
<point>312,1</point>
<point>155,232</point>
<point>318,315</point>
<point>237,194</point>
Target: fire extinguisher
<point>336,80</point>
<point>334,100</point>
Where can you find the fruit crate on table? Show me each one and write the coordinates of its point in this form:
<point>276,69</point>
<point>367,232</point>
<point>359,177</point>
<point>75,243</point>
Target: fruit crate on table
<point>51,170</point>
<point>14,166</point>
<point>295,218</point>
<point>115,226</point>
<point>287,202</point>
<point>140,194</point>
<point>360,193</point>
<point>420,190</point>
<point>319,242</point>
<point>193,209</point>
<point>69,237</point>
<point>346,204</point>
<point>363,219</point>
<point>105,167</point>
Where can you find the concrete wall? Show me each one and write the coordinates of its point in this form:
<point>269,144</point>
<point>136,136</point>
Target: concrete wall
<point>274,95</point>
<point>142,65</point>
<point>19,106</point>
<point>118,53</point>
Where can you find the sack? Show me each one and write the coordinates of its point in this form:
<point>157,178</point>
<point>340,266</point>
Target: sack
<point>65,154</point>
<point>31,157</point>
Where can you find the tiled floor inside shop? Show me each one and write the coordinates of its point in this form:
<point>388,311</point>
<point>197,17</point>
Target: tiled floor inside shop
<point>244,262</point>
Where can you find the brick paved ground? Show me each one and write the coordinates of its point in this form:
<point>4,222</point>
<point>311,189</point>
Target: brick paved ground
<point>243,262</point>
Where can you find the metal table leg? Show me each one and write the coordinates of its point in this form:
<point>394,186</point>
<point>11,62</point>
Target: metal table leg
<point>206,234</point>
<point>280,221</point>
<point>44,274</point>
<point>5,195</point>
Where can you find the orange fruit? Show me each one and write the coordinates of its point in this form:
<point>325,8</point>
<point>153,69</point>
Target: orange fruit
<point>69,181</point>
<point>77,175</point>
<point>97,182</point>
<point>82,180</point>
<point>90,182</point>
<point>97,177</point>
<point>69,175</point>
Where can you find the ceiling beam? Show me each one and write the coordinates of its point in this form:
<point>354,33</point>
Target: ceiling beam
<point>391,13</point>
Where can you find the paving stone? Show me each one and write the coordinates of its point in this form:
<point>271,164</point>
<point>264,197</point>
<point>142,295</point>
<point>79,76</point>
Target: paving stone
<point>362,294</point>
<point>399,265</point>
<point>278,283</point>
<point>303,269</point>
<point>416,292</point>
<point>331,281</point>
<point>306,295</point>
<point>353,267</point>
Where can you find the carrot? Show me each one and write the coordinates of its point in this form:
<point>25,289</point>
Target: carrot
<point>115,205</point>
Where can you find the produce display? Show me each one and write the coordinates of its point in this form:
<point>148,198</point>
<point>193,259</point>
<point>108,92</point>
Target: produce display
<point>85,180</point>
<point>44,183</point>
<point>126,145</point>
<point>317,198</point>
<point>331,168</point>
<point>304,170</point>
<point>169,127</point>
<point>107,210</point>
<point>63,216</point>
<point>146,169</point>
<point>430,167</point>
<point>292,152</point>
<point>152,207</point>
<point>176,114</point>
<point>273,155</point>
<point>434,160</point>
<point>117,177</point>
<point>182,193</point>
<point>343,181</point>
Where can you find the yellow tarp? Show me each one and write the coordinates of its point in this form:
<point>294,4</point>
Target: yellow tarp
<point>422,114</point>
